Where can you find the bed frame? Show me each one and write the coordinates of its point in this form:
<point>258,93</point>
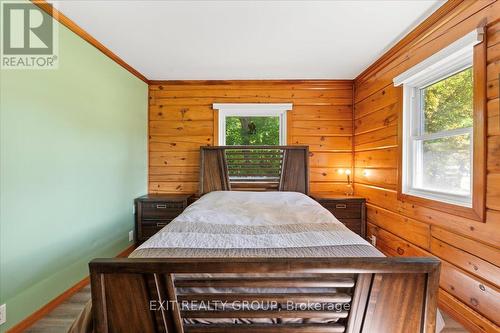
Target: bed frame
<point>367,295</point>
<point>259,168</point>
<point>372,294</point>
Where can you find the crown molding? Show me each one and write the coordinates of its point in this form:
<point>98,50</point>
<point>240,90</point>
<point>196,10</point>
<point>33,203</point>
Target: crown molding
<point>255,81</point>
<point>68,23</point>
<point>413,35</point>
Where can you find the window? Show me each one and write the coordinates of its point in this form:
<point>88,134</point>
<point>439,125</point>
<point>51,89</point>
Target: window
<point>251,131</point>
<point>439,143</point>
<point>252,124</point>
<point>438,125</point>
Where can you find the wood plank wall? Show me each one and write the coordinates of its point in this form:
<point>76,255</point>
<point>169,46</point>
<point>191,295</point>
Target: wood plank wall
<point>181,119</point>
<point>470,274</point>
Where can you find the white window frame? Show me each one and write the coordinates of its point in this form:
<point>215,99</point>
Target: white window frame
<point>252,110</point>
<point>447,62</point>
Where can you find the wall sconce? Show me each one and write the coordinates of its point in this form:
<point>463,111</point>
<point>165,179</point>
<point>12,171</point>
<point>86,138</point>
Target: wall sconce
<point>348,174</point>
<point>350,188</point>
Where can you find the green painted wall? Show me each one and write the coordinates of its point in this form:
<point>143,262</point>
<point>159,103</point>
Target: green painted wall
<point>73,156</point>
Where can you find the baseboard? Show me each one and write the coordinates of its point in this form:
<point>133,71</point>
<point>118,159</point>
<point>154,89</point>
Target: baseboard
<point>44,310</point>
<point>126,252</point>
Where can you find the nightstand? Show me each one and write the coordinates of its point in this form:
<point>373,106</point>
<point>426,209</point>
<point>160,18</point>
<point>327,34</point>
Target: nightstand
<point>349,210</point>
<point>154,211</point>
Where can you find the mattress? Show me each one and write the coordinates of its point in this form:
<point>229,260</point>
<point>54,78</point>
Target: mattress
<point>255,224</point>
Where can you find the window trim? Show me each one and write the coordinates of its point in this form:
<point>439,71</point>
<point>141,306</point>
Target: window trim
<point>451,59</point>
<point>251,110</point>
<point>412,132</point>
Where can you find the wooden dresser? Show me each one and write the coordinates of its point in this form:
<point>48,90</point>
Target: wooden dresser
<point>350,210</point>
<point>154,211</point>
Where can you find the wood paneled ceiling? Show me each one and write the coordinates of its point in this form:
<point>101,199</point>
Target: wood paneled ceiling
<point>181,40</point>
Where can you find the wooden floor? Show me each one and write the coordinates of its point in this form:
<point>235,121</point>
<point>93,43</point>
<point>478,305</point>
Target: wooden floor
<point>59,320</point>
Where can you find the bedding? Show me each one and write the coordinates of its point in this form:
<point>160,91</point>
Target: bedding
<point>255,224</point>
<point>251,224</point>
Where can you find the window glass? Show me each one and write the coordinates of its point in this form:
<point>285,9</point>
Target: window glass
<point>438,126</point>
<point>447,104</point>
<point>245,131</point>
<point>444,165</point>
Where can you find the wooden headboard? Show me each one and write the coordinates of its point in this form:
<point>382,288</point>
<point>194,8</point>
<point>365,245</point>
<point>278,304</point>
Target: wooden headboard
<point>254,168</point>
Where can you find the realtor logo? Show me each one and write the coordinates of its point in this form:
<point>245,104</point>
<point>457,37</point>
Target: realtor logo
<point>29,37</point>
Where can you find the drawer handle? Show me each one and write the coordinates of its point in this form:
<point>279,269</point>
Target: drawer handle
<point>161,206</point>
<point>340,206</point>
<point>161,225</point>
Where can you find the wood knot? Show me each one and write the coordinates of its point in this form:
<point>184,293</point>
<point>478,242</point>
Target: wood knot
<point>400,251</point>
<point>474,301</point>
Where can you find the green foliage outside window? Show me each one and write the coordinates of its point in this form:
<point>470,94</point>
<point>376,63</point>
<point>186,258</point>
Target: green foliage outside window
<point>252,131</point>
<point>448,105</point>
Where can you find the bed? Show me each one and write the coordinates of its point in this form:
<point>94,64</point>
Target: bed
<point>265,258</point>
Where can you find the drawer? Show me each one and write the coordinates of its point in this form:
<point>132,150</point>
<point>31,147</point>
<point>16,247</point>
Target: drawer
<point>155,222</point>
<point>353,224</point>
<point>149,228</point>
<point>161,210</point>
<point>162,204</point>
<point>347,210</point>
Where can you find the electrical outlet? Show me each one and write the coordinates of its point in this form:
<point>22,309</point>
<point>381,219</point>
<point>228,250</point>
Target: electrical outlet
<point>3,313</point>
<point>374,240</point>
<point>131,236</point>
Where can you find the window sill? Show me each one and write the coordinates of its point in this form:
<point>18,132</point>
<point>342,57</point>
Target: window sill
<point>473,213</point>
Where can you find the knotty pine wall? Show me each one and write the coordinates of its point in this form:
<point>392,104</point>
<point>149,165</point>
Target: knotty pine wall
<point>470,274</point>
<point>181,119</point>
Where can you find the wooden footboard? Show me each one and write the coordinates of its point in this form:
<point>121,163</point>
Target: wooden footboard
<point>342,294</point>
